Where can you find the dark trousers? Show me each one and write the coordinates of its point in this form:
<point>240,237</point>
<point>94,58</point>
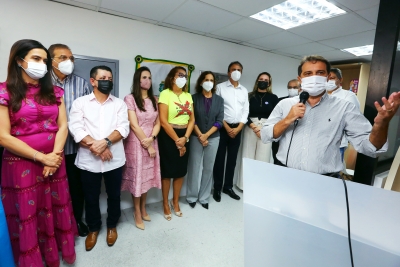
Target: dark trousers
<point>230,145</point>
<point>91,187</point>
<point>75,186</point>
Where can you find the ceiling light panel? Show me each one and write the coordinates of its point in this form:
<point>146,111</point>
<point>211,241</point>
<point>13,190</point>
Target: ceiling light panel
<point>294,13</point>
<point>363,50</point>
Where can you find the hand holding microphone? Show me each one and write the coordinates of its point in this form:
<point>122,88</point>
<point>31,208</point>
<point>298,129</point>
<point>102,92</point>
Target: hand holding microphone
<point>297,111</point>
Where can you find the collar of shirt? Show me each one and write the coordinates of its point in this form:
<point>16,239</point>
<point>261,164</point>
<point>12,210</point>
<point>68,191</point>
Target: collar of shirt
<point>93,97</point>
<point>228,84</point>
<point>57,80</point>
<point>337,90</point>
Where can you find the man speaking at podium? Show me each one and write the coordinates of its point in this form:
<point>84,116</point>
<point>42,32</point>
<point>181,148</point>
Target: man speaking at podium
<point>313,145</point>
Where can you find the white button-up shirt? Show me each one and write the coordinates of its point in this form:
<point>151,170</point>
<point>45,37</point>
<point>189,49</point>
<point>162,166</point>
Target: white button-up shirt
<point>348,96</point>
<point>99,120</point>
<point>236,102</point>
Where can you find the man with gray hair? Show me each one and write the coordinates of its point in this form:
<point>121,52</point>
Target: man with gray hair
<point>334,88</point>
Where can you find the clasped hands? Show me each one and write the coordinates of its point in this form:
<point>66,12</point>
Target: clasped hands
<point>147,144</point>
<point>51,162</point>
<point>99,148</point>
<point>203,139</point>
<point>232,132</point>
<point>257,131</point>
<point>180,145</point>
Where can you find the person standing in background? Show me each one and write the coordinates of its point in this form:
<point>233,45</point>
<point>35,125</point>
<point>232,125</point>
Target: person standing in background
<point>209,114</point>
<point>261,103</point>
<point>99,122</point>
<point>236,110</point>
<point>334,88</point>
<point>34,188</point>
<point>142,168</point>
<point>74,87</point>
<point>175,106</point>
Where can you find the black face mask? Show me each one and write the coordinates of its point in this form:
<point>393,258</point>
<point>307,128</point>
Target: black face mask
<point>104,86</point>
<point>262,85</point>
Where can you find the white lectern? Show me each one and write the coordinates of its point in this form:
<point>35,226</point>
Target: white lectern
<point>294,218</point>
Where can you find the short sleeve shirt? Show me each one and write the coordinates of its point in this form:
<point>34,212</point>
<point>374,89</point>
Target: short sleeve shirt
<point>179,107</point>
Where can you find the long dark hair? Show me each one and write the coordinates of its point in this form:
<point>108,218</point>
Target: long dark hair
<point>169,80</point>
<point>202,76</point>
<point>17,87</point>
<point>255,88</point>
<point>137,90</point>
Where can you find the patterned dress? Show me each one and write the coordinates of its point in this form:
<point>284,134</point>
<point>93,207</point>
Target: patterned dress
<point>141,172</point>
<point>38,210</point>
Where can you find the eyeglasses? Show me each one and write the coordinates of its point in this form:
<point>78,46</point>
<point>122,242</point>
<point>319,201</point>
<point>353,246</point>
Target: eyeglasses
<point>181,75</point>
<point>64,58</point>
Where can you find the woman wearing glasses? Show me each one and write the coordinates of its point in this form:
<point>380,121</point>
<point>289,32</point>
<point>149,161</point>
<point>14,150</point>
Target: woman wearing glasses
<point>209,114</point>
<point>261,103</point>
<point>142,168</point>
<point>33,130</point>
<point>177,121</point>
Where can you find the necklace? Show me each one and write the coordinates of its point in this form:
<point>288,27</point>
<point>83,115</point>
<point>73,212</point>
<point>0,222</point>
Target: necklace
<point>178,97</point>
<point>262,99</point>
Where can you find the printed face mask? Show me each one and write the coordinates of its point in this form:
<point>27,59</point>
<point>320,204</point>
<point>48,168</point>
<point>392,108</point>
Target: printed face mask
<point>314,85</point>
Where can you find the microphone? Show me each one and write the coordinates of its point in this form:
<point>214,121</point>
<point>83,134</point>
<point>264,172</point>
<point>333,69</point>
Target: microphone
<point>303,98</point>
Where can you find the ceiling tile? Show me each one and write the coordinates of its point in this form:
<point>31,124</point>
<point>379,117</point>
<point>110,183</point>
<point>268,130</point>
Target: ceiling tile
<point>89,4</point>
<point>201,17</point>
<point>358,39</point>
<point>305,49</point>
<point>243,8</point>
<point>154,10</point>
<point>334,27</point>
<point>247,29</point>
<point>358,4</point>
<point>279,40</point>
<point>337,55</point>
<point>129,16</point>
<point>370,14</point>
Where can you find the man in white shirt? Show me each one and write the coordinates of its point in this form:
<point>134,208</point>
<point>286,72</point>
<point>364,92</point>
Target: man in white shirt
<point>334,88</point>
<point>99,122</point>
<point>236,110</point>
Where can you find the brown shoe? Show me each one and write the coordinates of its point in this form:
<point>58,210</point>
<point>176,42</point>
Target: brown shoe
<point>91,240</point>
<point>112,236</point>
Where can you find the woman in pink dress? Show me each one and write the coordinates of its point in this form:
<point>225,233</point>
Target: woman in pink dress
<point>142,168</point>
<point>34,187</point>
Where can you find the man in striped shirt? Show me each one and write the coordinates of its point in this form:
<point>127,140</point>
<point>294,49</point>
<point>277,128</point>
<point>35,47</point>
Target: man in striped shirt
<point>74,87</point>
<point>322,121</point>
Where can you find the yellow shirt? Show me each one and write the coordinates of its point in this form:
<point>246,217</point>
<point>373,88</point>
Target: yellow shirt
<point>179,108</point>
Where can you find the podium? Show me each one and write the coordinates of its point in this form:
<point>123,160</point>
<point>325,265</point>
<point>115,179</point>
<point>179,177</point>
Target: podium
<point>294,218</point>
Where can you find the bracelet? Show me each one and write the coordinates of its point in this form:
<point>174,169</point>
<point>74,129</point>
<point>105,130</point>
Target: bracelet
<point>34,156</point>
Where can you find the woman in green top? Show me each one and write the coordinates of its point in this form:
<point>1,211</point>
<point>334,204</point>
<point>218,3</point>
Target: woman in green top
<point>177,122</point>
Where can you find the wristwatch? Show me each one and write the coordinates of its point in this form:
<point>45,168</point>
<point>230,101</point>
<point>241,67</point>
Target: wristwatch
<point>109,143</point>
<point>154,137</point>
<point>187,139</point>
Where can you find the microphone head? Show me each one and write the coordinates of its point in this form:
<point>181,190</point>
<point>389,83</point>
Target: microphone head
<point>304,96</point>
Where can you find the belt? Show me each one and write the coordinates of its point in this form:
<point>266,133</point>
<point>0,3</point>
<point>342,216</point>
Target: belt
<point>233,125</point>
<point>177,126</point>
<point>329,174</point>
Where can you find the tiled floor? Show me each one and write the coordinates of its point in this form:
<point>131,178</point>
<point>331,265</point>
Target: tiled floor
<point>212,237</point>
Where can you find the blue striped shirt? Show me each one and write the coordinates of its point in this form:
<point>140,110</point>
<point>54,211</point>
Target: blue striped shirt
<point>74,87</point>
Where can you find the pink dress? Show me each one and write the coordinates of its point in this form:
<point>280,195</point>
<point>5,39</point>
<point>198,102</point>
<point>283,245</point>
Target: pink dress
<point>141,172</point>
<point>38,210</point>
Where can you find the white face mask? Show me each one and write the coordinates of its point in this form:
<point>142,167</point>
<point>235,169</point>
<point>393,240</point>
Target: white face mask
<point>66,67</point>
<point>35,70</point>
<point>208,86</point>
<point>293,92</point>
<point>235,75</point>
<point>331,85</point>
<point>314,85</point>
<point>180,82</point>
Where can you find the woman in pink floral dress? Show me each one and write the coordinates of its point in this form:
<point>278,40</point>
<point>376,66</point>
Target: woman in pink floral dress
<point>34,187</point>
<point>142,168</point>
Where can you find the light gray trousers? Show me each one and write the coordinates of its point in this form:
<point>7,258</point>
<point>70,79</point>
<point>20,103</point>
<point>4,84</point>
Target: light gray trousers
<point>200,169</point>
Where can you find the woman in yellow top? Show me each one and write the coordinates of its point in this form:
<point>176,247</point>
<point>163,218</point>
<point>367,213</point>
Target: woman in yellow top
<point>177,122</point>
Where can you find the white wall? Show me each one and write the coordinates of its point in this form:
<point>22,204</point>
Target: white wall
<point>99,35</point>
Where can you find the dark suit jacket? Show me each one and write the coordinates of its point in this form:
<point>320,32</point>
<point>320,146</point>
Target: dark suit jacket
<point>216,114</point>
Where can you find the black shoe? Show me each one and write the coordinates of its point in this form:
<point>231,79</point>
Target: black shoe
<point>231,193</point>
<point>192,204</point>
<point>82,229</point>
<point>205,206</point>
<point>217,196</point>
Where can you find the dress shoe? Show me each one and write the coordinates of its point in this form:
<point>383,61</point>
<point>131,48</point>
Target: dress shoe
<point>205,205</point>
<point>112,236</point>
<point>192,204</point>
<point>138,225</point>
<point>177,213</point>
<point>217,196</point>
<point>231,193</point>
<point>146,218</point>
<point>91,240</point>
<point>82,229</point>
